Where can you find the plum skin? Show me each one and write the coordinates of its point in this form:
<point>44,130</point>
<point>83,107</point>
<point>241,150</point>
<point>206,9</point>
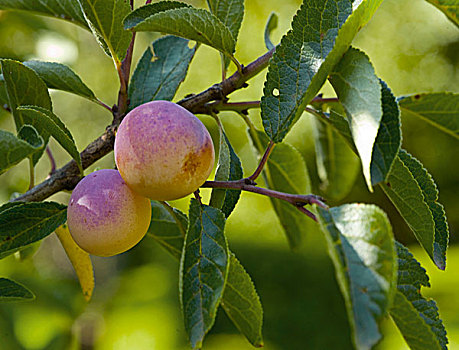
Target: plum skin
<point>105,217</point>
<point>163,151</point>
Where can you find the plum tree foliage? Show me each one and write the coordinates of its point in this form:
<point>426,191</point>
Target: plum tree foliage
<point>163,152</point>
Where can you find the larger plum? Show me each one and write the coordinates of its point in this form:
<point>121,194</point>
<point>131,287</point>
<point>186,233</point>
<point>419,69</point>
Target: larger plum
<point>163,151</point>
<point>105,217</point>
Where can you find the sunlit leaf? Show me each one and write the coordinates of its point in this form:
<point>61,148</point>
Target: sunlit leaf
<point>140,14</point>
<point>449,7</point>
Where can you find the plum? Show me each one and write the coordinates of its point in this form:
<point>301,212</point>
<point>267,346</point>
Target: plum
<point>105,217</point>
<point>163,151</point>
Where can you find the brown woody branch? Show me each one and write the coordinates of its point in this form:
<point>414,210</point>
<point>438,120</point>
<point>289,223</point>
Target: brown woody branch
<point>67,177</point>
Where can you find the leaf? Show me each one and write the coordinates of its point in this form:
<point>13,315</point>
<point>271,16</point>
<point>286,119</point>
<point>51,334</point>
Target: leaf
<point>229,168</point>
<point>361,245</point>
<point>13,149</point>
<point>270,26</point>
<point>60,77</point>
<point>63,9</point>
<point>359,91</point>
<point>49,121</point>
<point>389,138</point>
<point>160,71</point>
<point>417,318</point>
<point>3,93</point>
<point>449,7</point>
<point>240,299</point>
<point>439,109</point>
<point>13,291</point>
<point>286,171</point>
<point>321,33</point>
<point>24,87</point>
<point>105,19</point>
<point>229,12</point>
<point>27,223</point>
<point>80,260</point>
<point>140,14</point>
<point>414,193</point>
<point>168,228</point>
<point>337,164</point>
<point>203,270</point>
<point>189,23</point>
<point>242,304</point>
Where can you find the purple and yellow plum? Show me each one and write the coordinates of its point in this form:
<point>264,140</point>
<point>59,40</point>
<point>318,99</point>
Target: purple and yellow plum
<point>105,217</point>
<point>163,151</point>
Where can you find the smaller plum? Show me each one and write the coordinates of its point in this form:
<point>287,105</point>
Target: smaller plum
<point>105,217</point>
<point>163,151</point>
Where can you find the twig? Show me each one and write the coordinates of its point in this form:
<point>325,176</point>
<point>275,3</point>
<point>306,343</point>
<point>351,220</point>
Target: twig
<point>68,176</point>
<point>297,200</point>
<point>51,160</point>
<point>263,161</point>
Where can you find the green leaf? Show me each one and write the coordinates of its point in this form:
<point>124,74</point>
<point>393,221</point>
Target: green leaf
<point>417,318</point>
<point>189,23</point>
<point>242,304</point>
<point>14,149</point>
<point>24,87</point>
<point>361,245</point>
<point>414,193</point>
<point>160,71</point>
<point>322,31</point>
<point>60,77</point>
<point>140,14</point>
<point>389,138</point>
<point>229,168</point>
<point>337,165</point>
<point>168,228</point>
<point>3,94</point>
<point>229,12</point>
<point>203,270</point>
<point>105,18</point>
<point>449,7</point>
<point>270,26</point>
<point>13,291</point>
<point>439,109</point>
<point>63,9</point>
<point>27,223</point>
<point>359,91</point>
<point>49,121</point>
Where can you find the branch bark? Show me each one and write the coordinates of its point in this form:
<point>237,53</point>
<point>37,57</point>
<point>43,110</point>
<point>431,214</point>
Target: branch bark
<point>67,177</point>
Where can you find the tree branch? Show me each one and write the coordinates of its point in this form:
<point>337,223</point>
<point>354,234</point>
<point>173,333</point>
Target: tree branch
<point>68,176</point>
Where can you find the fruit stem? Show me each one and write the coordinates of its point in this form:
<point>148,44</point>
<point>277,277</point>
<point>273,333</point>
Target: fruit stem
<point>263,161</point>
<point>51,160</point>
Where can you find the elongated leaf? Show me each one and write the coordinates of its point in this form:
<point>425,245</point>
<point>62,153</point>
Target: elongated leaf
<point>440,109</point>
<point>63,9</point>
<point>449,7</point>
<point>13,291</point>
<point>24,87</point>
<point>242,304</point>
<point>24,224</point>
<point>417,318</point>
<point>142,13</point>
<point>55,127</point>
<point>189,23</point>
<point>79,259</point>
<point>240,299</point>
<point>203,270</point>
<point>359,91</point>
<point>14,149</point>
<point>105,18</point>
<point>413,192</point>
<point>230,12</point>
<point>160,71</point>
<point>3,94</point>
<point>337,164</point>
<point>270,26</point>
<point>168,228</point>
<point>229,168</point>
<point>389,138</point>
<point>361,245</point>
<point>60,77</point>
<point>322,31</point>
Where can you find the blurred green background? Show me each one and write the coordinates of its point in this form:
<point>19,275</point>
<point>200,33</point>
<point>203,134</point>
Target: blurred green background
<point>413,47</point>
